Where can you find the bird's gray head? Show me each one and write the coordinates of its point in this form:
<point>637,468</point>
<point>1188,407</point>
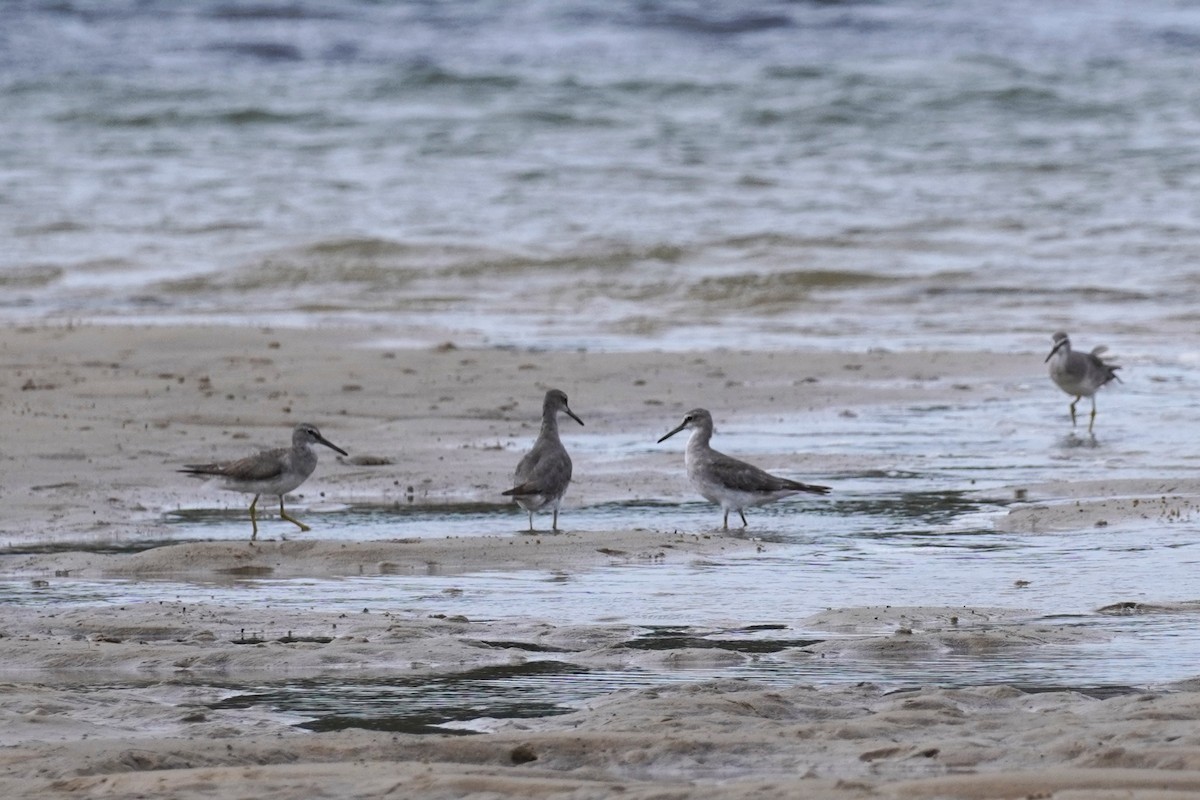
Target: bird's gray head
<point>1061,340</point>
<point>306,433</point>
<point>556,400</point>
<point>696,418</point>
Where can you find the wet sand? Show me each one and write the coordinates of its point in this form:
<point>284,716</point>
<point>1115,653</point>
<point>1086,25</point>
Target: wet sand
<point>97,419</point>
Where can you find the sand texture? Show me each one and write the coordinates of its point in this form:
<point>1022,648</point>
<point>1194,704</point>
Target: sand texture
<point>98,418</point>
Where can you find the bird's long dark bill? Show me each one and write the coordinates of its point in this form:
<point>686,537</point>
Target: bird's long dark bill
<point>1054,350</point>
<point>331,445</point>
<point>672,433</point>
<point>571,414</point>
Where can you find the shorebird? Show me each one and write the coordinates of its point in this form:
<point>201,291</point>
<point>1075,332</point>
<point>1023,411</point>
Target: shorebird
<point>732,484</point>
<point>1079,374</point>
<point>544,472</point>
<point>271,471</point>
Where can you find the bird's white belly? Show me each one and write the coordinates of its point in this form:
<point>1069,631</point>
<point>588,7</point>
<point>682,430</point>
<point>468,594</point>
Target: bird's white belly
<point>731,499</point>
<point>280,486</point>
<point>1072,385</point>
<point>533,502</point>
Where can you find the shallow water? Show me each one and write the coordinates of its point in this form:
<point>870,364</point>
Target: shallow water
<point>916,530</point>
<point>903,175</point>
<point>864,546</point>
<point>937,553</point>
<point>787,175</point>
<point>811,561</point>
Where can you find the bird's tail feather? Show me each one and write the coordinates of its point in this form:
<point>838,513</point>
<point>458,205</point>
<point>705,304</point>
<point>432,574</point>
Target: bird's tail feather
<point>808,487</point>
<point>523,490</point>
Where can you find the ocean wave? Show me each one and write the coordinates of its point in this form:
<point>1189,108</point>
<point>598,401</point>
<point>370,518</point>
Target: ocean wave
<point>763,290</point>
<point>273,11</point>
<point>1063,296</point>
<point>176,118</point>
<point>706,18</point>
<point>375,264</point>
<point>35,276</point>
<point>879,166</point>
<point>407,78</point>
<point>263,51</point>
<point>600,260</point>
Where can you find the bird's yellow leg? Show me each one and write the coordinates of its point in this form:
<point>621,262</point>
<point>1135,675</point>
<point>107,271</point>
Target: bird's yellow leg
<point>1073,402</point>
<point>292,520</point>
<point>1092,421</point>
<point>253,519</point>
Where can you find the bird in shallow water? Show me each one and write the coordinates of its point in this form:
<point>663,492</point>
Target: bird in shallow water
<point>1079,374</point>
<point>270,472</point>
<point>732,484</point>
<point>543,474</point>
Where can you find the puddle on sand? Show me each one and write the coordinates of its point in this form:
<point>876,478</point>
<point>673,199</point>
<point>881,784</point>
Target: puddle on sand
<point>877,501</point>
<point>465,701</point>
<point>907,549</point>
<point>911,530</point>
<point>426,704</point>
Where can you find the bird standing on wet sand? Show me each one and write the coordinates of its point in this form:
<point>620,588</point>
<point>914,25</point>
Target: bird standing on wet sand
<point>271,471</point>
<point>544,472</point>
<point>1079,374</point>
<point>732,484</point>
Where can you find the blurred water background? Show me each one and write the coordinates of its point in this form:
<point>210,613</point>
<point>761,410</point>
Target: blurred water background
<point>620,175</point>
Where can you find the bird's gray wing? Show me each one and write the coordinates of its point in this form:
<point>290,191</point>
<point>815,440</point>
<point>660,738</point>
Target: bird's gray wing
<point>1104,370</point>
<point>742,477</point>
<point>543,470</point>
<point>262,467</point>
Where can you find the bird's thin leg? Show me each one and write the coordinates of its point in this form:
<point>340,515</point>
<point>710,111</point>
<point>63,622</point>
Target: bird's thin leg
<point>531,521</point>
<point>1092,421</point>
<point>1073,402</point>
<point>253,519</point>
<point>725,525</point>
<point>742,514</point>
<point>554,525</point>
<point>292,520</point>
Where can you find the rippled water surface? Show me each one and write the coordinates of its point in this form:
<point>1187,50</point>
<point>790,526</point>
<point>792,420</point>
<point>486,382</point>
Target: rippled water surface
<point>659,175</point>
<point>915,549</point>
<point>916,530</point>
<point>919,537</point>
<point>667,174</point>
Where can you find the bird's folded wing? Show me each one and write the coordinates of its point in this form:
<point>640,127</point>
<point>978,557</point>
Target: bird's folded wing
<point>742,477</point>
<point>544,470</point>
<point>263,467</point>
<point>524,490</point>
<point>808,487</point>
